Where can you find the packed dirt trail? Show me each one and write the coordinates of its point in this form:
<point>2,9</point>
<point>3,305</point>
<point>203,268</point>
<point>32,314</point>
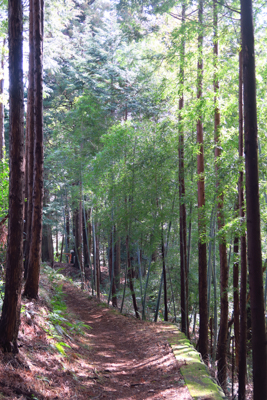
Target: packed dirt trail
<point>127,358</point>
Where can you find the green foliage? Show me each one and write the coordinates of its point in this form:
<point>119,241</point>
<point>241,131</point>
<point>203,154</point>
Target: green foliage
<point>59,325</point>
<point>4,187</point>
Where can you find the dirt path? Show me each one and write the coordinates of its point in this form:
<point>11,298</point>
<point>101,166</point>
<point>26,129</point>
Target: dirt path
<point>127,359</point>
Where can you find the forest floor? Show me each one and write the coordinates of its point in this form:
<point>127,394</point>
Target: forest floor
<point>73,346</point>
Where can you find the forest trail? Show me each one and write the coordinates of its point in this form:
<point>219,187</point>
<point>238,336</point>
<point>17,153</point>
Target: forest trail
<point>73,346</point>
<point>131,359</point>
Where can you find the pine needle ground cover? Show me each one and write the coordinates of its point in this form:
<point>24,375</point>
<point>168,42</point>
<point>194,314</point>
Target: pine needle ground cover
<point>73,346</point>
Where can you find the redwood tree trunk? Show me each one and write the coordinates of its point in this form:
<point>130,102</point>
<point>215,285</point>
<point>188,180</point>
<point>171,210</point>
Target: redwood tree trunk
<point>164,278</point>
<point>243,256</point>
<point>29,157</point>
<point>253,209</point>
<point>32,282</point>
<point>183,256</point>
<point>236,302</point>
<point>10,318</point>
<point>2,128</point>
<point>202,251</point>
<point>222,339</point>
<point>130,277</point>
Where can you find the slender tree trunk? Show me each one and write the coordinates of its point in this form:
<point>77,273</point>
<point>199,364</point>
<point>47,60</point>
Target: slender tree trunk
<point>57,253</point>
<point>85,247</point>
<point>222,339</point>
<point>61,251</point>
<point>117,266</point>
<point>29,145</point>
<point>236,302</point>
<point>67,227</point>
<point>97,265</point>
<point>202,251</point>
<point>47,244</point>
<point>183,255</point>
<point>164,279</point>
<point>10,318</point>
<point>243,258</point>
<point>253,209</point>
<point>112,263</point>
<point>2,115</point>
<point>32,282</point>
<point>47,240</point>
<point>130,277</point>
<point>79,248</point>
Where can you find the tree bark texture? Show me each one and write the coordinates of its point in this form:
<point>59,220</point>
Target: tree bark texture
<point>202,251</point>
<point>2,115</point>
<point>183,255</point>
<point>32,282</point>
<point>112,267</point>
<point>243,255</point>
<point>236,302</point>
<point>130,277</point>
<point>117,266</point>
<point>222,339</point>
<point>85,235</point>
<point>47,244</point>
<point>10,318</point>
<point>29,145</point>
<point>164,278</point>
<point>253,210</point>
<point>98,274</point>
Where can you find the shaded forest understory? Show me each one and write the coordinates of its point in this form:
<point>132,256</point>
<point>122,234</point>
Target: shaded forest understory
<point>141,150</point>
<point>116,358</point>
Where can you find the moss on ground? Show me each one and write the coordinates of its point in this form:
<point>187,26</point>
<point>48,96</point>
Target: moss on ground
<point>197,378</point>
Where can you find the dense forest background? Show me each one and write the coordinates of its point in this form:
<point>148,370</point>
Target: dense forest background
<point>143,160</point>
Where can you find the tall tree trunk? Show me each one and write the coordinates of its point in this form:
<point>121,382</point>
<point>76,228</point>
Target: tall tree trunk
<point>222,339</point>
<point>2,127</point>
<point>236,302</point>
<point>253,209</point>
<point>112,262</point>
<point>67,228</point>
<point>98,274</point>
<point>242,369</point>
<point>47,240</point>
<point>202,251</point>
<point>117,266</point>
<point>164,278</point>
<point>77,219</point>
<point>47,244</point>
<point>85,236</point>
<point>130,277</point>
<point>29,156</point>
<point>183,255</point>
<point>10,318</point>
<point>32,282</point>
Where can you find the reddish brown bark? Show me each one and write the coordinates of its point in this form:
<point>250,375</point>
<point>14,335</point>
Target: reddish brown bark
<point>29,146</point>
<point>243,255</point>
<point>98,275</point>
<point>32,282</point>
<point>253,209</point>
<point>202,251</point>
<point>112,266</point>
<point>164,279</point>
<point>2,128</point>
<point>236,302</point>
<point>183,255</point>
<point>222,338</point>
<point>10,318</point>
<point>130,277</point>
